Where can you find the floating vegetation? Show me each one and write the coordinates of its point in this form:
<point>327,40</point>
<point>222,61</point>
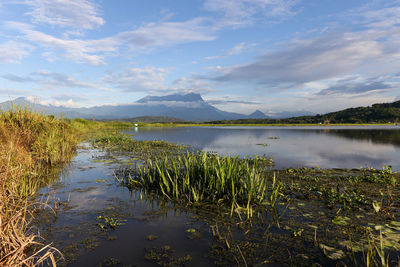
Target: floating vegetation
<point>108,223</point>
<point>384,176</point>
<point>197,178</point>
<point>164,257</point>
<point>264,144</point>
<point>341,220</point>
<point>110,262</point>
<point>117,141</point>
<point>151,237</point>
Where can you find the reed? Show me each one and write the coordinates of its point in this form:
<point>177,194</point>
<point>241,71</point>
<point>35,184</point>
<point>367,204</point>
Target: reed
<point>201,177</point>
<point>30,144</point>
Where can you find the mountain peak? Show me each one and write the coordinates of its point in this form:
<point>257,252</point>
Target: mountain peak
<point>191,97</point>
<point>257,115</point>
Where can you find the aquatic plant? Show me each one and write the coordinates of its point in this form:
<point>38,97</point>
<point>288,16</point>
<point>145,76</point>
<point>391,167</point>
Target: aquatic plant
<point>32,147</point>
<point>29,143</point>
<point>119,142</point>
<point>384,176</point>
<point>203,177</point>
<point>108,223</point>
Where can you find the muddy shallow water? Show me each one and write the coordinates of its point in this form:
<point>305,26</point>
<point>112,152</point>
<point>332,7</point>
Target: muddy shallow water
<point>88,190</point>
<point>97,222</point>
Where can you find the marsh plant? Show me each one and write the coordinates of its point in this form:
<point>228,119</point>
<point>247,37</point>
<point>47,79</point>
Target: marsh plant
<point>30,143</point>
<point>202,177</point>
<point>32,147</point>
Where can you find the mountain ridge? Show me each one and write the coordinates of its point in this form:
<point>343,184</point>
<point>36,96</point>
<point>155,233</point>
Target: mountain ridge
<point>188,107</point>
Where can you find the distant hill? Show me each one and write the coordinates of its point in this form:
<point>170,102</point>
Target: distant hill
<point>289,114</point>
<point>377,113</point>
<point>384,112</point>
<point>191,97</point>
<point>189,107</point>
<point>155,119</point>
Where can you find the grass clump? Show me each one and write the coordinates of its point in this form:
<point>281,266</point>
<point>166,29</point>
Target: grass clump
<point>122,143</point>
<point>30,143</point>
<point>202,177</point>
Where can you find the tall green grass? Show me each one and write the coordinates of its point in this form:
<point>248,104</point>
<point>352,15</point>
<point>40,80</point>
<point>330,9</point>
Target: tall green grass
<point>196,178</point>
<point>32,146</point>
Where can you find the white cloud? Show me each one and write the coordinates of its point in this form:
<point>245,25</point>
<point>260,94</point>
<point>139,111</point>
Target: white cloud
<point>53,80</point>
<point>319,58</point>
<point>81,14</point>
<point>147,79</point>
<point>94,52</point>
<point>237,49</point>
<point>13,52</point>
<point>166,34</point>
<point>38,100</point>
<point>356,88</point>
<point>240,12</point>
<point>88,51</point>
<point>152,80</point>
<point>379,17</point>
<point>191,85</point>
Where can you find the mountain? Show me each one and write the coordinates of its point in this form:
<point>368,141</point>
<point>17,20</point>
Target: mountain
<point>154,119</point>
<point>191,97</point>
<point>257,115</point>
<point>189,107</point>
<point>47,109</point>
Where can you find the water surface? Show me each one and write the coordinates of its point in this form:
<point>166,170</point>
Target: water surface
<point>325,146</point>
<point>88,189</point>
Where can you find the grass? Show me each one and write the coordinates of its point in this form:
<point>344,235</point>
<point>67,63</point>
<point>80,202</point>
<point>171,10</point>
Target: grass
<point>32,146</point>
<point>201,177</point>
<point>118,142</point>
<point>29,143</point>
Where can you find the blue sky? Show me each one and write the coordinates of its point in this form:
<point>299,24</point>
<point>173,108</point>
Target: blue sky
<point>241,55</point>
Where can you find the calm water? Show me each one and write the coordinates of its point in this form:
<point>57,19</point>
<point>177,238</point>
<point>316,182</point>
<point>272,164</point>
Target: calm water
<point>326,147</point>
<point>88,189</point>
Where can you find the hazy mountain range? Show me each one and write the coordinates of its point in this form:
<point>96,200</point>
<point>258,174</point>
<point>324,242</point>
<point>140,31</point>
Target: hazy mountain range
<point>189,107</point>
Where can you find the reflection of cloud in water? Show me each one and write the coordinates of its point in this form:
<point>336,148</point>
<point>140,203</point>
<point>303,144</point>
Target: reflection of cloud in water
<point>296,147</point>
<point>93,199</point>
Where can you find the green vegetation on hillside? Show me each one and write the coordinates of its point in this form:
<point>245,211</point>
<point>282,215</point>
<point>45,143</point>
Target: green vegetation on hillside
<point>377,113</point>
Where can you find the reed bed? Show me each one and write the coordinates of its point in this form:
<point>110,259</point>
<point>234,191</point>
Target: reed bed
<point>30,144</point>
<point>202,177</point>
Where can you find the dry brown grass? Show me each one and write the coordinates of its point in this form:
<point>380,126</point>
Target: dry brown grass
<point>29,143</point>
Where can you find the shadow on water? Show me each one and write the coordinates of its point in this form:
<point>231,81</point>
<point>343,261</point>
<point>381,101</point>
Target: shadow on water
<point>386,136</point>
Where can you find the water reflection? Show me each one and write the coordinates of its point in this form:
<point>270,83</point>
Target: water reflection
<point>333,147</point>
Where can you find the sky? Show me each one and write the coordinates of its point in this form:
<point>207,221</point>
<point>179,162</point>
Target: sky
<point>240,55</point>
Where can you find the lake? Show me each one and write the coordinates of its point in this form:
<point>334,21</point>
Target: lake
<point>325,146</point>
<point>315,209</point>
